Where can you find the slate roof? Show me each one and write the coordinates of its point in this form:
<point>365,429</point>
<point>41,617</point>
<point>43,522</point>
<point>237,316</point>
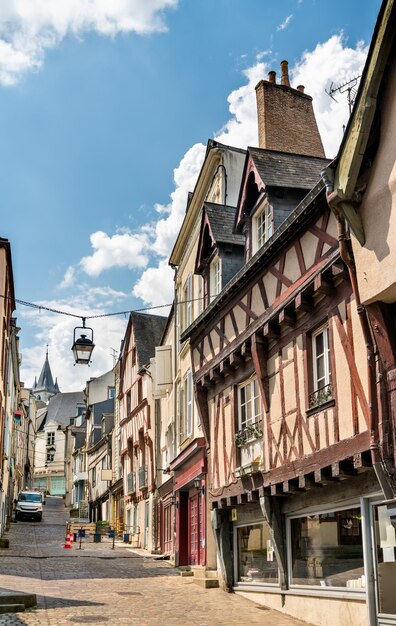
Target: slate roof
<point>62,407</point>
<point>46,381</point>
<point>79,439</point>
<point>99,408</point>
<point>221,219</point>
<point>148,330</point>
<point>283,169</point>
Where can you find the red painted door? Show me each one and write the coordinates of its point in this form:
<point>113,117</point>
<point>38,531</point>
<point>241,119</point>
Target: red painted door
<point>194,530</point>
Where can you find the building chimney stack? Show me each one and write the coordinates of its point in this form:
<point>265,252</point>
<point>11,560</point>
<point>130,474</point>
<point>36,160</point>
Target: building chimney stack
<point>285,73</point>
<point>286,120</point>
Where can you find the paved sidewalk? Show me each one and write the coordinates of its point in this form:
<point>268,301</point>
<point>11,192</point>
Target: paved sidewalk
<point>99,585</point>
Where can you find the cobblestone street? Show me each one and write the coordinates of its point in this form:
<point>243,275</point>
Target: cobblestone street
<point>99,585</point>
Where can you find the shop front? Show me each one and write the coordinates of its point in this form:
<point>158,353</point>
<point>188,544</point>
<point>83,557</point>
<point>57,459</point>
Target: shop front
<point>190,492</point>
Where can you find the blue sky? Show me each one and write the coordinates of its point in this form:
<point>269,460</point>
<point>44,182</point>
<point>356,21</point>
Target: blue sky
<point>103,117</point>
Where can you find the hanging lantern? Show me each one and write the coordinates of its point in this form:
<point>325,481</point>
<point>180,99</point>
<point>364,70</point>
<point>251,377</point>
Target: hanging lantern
<point>83,345</point>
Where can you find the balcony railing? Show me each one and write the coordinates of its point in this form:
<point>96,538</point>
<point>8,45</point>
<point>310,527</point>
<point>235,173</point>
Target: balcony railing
<point>321,396</point>
<point>249,433</point>
<point>143,477</point>
<point>131,482</point>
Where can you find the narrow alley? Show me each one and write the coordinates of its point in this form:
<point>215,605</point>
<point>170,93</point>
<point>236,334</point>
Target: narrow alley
<point>100,585</point>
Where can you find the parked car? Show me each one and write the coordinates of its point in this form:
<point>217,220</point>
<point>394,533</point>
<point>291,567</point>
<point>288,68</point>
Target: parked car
<point>29,505</point>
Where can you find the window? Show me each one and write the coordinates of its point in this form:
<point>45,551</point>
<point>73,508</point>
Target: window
<point>50,439</point>
<point>215,278</point>
<point>188,403</point>
<point>249,406</point>
<point>327,549</point>
<point>187,302</point>
<point>93,476</point>
<point>263,226</point>
<point>50,456</point>
<point>200,296</point>
<point>110,392</point>
<point>256,560</point>
<point>321,374</point>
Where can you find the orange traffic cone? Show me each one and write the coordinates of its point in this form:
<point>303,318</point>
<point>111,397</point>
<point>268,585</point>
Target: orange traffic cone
<point>68,541</point>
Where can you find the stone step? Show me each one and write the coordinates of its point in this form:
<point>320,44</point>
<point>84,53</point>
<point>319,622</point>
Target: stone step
<point>28,600</point>
<point>11,608</point>
<point>204,572</point>
<point>206,583</point>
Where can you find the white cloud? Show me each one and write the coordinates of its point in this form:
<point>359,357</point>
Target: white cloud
<point>68,278</point>
<point>124,249</point>
<point>285,23</point>
<point>28,28</point>
<point>331,61</point>
<point>155,286</point>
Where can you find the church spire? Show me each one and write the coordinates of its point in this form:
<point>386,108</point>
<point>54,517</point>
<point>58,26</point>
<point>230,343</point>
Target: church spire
<point>45,387</point>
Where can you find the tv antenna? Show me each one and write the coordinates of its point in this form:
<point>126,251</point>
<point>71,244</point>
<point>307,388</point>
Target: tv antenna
<point>350,88</point>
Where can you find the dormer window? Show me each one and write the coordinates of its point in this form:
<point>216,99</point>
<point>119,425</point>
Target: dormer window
<point>215,278</point>
<point>262,226</point>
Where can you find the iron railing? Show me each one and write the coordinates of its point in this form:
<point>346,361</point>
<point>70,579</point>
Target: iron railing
<point>131,482</point>
<point>143,477</point>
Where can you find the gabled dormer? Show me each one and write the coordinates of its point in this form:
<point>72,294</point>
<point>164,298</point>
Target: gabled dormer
<point>273,184</point>
<point>220,251</point>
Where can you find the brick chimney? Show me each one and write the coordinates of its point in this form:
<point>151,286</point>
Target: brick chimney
<point>286,120</point>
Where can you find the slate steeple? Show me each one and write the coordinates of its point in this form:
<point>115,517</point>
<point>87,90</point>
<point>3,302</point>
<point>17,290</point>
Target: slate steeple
<point>45,388</point>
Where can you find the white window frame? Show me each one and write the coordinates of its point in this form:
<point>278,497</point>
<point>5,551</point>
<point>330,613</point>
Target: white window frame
<point>215,278</point>
<point>51,438</point>
<point>188,304</point>
<point>188,402</point>
<point>254,394</point>
<point>317,384</point>
<point>200,296</point>
<point>263,226</point>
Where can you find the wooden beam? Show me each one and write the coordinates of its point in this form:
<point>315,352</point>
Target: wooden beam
<point>338,270</point>
<point>246,351</point>
<point>322,286</point>
<point>271,330</point>
<point>201,399</point>
<point>303,303</point>
<point>226,368</point>
<point>287,318</point>
<point>260,365</point>
<point>235,359</point>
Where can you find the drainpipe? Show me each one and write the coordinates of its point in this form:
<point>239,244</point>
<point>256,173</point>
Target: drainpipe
<point>347,256</point>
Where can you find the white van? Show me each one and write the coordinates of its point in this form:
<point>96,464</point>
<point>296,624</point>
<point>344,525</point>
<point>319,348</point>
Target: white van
<point>29,504</point>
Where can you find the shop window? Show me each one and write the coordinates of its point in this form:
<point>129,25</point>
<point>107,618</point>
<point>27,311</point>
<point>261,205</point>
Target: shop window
<point>326,549</point>
<point>256,560</point>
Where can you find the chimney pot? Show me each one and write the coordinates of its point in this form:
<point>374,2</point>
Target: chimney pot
<point>285,73</point>
<point>272,77</point>
<point>300,88</point>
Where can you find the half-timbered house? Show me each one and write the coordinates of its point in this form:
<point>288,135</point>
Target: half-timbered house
<point>137,427</point>
<point>281,381</point>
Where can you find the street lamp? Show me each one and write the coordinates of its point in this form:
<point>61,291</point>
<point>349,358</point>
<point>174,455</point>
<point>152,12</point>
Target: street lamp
<point>83,345</point>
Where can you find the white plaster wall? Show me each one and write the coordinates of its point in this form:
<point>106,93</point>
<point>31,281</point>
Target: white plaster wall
<point>376,260</point>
